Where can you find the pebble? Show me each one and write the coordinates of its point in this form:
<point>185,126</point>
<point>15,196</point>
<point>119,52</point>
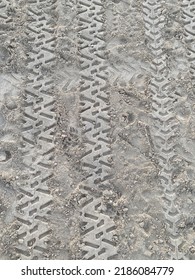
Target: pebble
<point>148,253</point>
<point>2,156</point>
<point>141,224</point>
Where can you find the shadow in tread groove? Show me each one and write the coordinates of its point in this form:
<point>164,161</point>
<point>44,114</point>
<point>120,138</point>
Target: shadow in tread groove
<point>34,199</point>
<point>97,241</point>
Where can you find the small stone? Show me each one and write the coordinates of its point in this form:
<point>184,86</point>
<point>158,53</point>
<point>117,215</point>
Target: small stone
<point>189,201</point>
<point>141,224</point>
<point>21,241</point>
<point>11,104</point>
<point>192,250</point>
<point>148,253</point>
<point>2,156</point>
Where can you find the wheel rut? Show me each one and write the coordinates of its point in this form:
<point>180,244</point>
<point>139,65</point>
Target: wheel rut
<point>97,228</point>
<point>165,125</point>
<point>34,198</point>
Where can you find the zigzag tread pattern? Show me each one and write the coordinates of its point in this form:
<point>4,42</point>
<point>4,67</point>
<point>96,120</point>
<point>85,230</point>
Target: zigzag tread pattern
<point>5,17</point>
<point>94,114</point>
<point>34,199</point>
<point>97,230</point>
<point>188,16</point>
<point>165,125</point>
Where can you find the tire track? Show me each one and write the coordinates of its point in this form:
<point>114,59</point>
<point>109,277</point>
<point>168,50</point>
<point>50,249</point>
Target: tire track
<point>97,229</point>
<point>188,15</point>
<point>165,126</point>
<point>34,198</point>
<point>5,18</point>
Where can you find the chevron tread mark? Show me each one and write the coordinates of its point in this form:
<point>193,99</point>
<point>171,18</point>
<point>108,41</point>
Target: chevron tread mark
<point>164,124</point>
<point>94,115</point>
<point>97,229</point>
<point>5,17</point>
<point>188,16</point>
<point>34,199</point>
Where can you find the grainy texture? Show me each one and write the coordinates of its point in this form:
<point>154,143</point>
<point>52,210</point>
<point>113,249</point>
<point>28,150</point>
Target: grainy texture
<point>97,145</point>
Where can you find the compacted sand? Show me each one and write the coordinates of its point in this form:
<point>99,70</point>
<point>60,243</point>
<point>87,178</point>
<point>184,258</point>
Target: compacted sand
<point>97,129</point>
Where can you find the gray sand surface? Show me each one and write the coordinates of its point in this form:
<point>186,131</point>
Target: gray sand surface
<point>97,129</point>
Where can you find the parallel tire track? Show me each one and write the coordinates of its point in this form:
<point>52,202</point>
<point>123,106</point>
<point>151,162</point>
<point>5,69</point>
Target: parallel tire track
<point>165,125</point>
<point>34,198</point>
<point>98,230</point>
